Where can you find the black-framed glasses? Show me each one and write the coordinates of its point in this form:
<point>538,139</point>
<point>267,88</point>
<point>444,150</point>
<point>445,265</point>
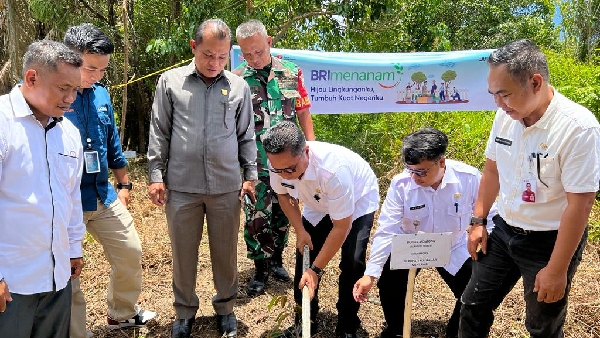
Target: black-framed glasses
<point>288,170</point>
<point>421,172</point>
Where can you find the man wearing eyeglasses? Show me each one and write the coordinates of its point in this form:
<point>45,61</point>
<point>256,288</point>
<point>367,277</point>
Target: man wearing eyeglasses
<point>432,195</point>
<point>542,138</point>
<point>340,195</point>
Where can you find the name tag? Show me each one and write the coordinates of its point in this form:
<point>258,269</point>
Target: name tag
<point>417,207</point>
<point>504,141</point>
<point>285,185</point>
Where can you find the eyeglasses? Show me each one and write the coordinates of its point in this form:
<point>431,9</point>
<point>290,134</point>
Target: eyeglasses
<point>421,172</point>
<point>288,170</point>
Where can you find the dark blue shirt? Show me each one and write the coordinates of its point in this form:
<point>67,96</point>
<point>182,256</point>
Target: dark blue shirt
<point>92,113</point>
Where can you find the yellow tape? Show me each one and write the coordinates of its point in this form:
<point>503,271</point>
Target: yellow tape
<point>133,79</point>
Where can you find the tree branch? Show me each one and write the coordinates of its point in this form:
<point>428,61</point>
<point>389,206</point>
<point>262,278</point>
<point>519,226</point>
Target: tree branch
<point>99,16</point>
<point>289,23</point>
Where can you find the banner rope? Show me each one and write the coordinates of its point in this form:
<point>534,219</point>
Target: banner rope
<point>134,79</point>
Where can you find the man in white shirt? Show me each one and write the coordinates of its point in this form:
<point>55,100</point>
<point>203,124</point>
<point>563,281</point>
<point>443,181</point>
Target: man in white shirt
<point>541,139</point>
<point>340,195</point>
<point>432,195</point>
<point>41,222</point>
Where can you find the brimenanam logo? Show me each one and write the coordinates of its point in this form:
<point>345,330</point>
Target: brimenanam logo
<point>338,76</point>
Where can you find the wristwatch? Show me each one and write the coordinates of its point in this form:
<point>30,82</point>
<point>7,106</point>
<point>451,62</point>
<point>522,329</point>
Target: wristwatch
<point>317,270</point>
<point>127,186</point>
<point>478,220</point>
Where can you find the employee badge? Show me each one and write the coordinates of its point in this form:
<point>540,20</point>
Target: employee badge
<point>529,190</point>
<point>92,161</point>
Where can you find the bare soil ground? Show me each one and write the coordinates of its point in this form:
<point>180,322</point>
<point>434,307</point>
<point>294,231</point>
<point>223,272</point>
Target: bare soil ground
<point>432,304</point>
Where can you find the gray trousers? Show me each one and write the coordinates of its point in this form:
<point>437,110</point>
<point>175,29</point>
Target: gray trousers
<point>41,315</point>
<point>185,219</point>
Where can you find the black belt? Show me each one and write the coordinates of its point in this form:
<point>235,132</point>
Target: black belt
<point>517,230</point>
<point>520,231</point>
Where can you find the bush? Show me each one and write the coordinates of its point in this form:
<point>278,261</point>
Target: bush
<point>378,137</point>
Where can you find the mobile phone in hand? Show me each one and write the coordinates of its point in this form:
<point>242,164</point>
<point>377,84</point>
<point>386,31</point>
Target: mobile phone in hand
<point>248,200</point>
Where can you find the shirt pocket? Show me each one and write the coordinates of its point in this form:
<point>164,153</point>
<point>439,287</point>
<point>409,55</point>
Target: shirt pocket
<point>414,220</point>
<point>290,94</point>
<point>229,113</point>
<point>67,168</point>
<point>456,218</point>
<point>104,123</point>
<point>549,169</point>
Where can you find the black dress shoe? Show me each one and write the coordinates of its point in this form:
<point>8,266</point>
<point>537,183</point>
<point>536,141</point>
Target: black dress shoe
<point>182,328</point>
<point>227,325</point>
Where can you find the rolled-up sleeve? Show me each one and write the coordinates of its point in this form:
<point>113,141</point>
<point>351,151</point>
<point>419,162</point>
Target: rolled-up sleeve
<point>160,132</point>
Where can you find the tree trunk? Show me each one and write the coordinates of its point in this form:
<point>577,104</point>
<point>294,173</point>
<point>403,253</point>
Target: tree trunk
<point>20,32</point>
<point>142,115</point>
<point>125,69</point>
<point>175,14</point>
<point>112,21</point>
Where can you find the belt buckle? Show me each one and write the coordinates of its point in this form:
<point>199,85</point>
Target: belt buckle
<point>520,231</point>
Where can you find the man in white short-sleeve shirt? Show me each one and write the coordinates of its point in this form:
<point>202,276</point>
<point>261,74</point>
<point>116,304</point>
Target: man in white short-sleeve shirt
<point>433,195</point>
<point>544,145</point>
<point>340,195</point>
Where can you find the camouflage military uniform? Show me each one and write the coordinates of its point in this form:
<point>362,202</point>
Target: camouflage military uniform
<point>266,227</point>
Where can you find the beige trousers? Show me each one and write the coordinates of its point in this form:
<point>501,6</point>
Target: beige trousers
<point>185,218</point>
<point>113,228</point>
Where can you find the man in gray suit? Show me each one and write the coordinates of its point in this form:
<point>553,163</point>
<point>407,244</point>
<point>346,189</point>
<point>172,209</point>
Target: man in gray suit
<point>201,134</point>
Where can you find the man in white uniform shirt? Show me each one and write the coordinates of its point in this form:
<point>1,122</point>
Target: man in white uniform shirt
<point>340,195</point>
<point>545,141</point>
<point>432,195</point>
<point>41,222</point>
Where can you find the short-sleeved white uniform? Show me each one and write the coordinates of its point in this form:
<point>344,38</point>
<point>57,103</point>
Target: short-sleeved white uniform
<point>566,141</point>
<point>338,182</point>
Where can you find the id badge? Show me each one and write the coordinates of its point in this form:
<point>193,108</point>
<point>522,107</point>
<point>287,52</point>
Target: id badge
<point>92,162</point>
<point>529,190</point>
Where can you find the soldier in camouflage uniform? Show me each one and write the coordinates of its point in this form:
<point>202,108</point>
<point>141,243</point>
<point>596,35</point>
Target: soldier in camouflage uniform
<point>278,94</point>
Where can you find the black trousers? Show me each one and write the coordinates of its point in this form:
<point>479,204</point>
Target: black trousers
<point>392,292</point>
<point>41,315</point>
<point>512,254</point>
<point>352,267</point>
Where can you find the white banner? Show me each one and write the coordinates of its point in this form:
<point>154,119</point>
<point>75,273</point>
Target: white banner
<point>340,83</point>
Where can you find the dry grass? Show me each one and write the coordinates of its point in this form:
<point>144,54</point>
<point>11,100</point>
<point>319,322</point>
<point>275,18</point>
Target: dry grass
<point>433,301</point>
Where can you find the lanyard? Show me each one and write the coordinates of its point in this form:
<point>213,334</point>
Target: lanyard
<point>83,119</point>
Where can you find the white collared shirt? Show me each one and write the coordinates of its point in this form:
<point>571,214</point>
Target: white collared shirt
<point>337,182</point>
<point>41,221</point>
<point>409,208</point>
<point>567,141</point>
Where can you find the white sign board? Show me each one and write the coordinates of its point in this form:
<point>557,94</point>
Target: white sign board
<point>129,153</point>
<point>421,250</point>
